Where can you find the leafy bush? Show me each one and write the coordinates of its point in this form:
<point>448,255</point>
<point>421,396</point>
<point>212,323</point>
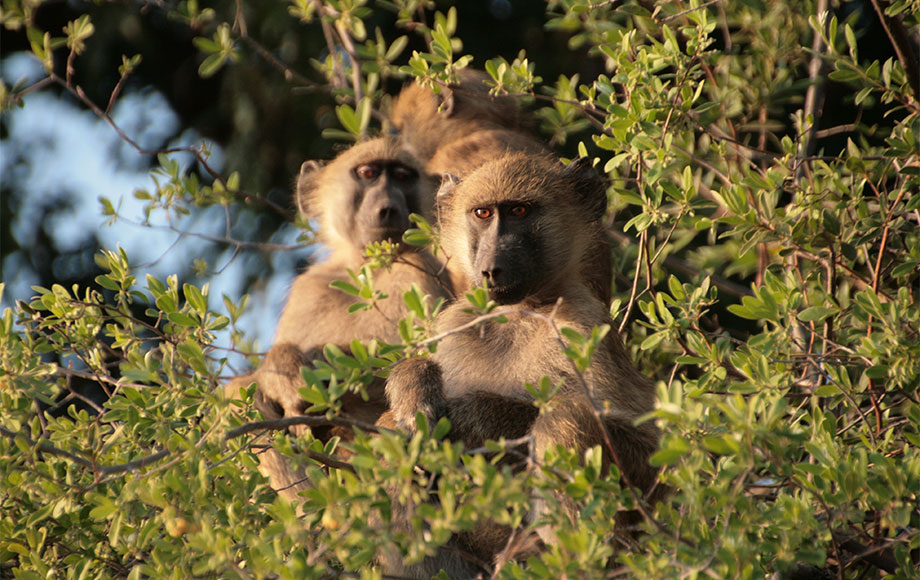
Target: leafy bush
<point>766,251</point>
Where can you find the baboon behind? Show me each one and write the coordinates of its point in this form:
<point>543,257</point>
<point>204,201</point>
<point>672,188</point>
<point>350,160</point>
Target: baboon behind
<point>366,194</point>
<point>464,126</point>
<point>521,223</point>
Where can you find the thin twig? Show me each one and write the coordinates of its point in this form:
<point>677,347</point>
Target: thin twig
<point>46,448</point>
<point>903,45</point>
<point>814,97</point>
<point>78,92</point>
<point>439,337</point>
<point>310,420</point>
<point>349,47</point>
<point>688,11</point>
<point>635,284</point>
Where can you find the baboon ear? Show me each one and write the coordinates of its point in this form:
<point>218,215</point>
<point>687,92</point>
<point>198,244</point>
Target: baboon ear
<point>446,190</point>
<point>306,185</point>
<point>588,185</point>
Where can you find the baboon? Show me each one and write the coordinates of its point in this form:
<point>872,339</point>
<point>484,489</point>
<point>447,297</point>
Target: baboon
<point>366,194</point>
<point>461,128</point>
<point>464,127</point>
<point>521,223</point>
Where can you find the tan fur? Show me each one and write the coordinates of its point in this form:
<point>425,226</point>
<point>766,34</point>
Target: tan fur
<point>316,315</point>
<point>462,127</point>
<point>477,376</point>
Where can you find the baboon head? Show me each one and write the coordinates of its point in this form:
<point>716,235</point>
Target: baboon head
<point>365,194</point>
<point>427,121</point>
<point>521,224</point>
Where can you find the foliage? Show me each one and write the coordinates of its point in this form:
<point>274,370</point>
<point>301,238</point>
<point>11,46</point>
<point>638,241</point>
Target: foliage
<point>767,260</point>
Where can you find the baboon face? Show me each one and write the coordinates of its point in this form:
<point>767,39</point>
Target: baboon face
<point>519,224</point>
<point>506,248</point>
<point>384,193</point>
<point>365,195</point>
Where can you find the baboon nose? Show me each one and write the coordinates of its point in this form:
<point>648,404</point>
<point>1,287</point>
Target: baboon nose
<point>493,276</point>
<point>391,217</point>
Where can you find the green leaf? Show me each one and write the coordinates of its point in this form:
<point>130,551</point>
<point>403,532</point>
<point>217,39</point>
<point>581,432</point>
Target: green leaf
<point>816,313</point>
<point>441,429</point>
<point>348,119</point>
<point>107,282</point>
<point>345,287</point>
<point>182,319</point>
<point>195,298</point>
<point>192,352</point>
<point>413,303</point>
<point>396,48</point>
<point>653,340</point>
<point>211,65</point>
<point>105,507</point>
<point>722,445</point>
<point>359,351</point>
<point>671,454</point>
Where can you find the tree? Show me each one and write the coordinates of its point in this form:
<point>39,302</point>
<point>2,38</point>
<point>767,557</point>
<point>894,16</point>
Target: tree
<point>763,162</point>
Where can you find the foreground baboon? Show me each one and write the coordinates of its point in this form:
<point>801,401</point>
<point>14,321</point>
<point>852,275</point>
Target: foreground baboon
<point>522,224</point>
<point>464,127</point>
<point>366,194</point>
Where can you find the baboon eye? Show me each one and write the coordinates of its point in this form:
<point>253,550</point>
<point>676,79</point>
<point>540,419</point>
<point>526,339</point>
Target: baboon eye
<point>367,172</point>
<point>482,213</point>
<point>519,210</point>
<point>402,173</point>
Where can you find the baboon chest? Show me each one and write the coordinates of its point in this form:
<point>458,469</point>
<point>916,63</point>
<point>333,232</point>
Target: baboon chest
<point>499,358</point>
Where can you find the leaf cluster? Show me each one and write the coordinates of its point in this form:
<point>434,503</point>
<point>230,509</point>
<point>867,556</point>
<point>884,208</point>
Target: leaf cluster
<point>766,254</point>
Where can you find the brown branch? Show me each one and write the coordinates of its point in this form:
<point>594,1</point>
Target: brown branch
<point>78,92</point>
<point>164,453</point>
<point>289,74</point>
<point>667,19</point>
<point>878,556</point>
<point>885,230</point>
<point>903,46</point>
<point>349,48</point>
<point>47,448</point>
<point>116,91</point>
<point>136,464</point>
<point>439,337</point>
<point>814,97</point>
<point>635,284</point>
<point>36,86</point>
<point>309,420</point>
<point>451,293</point>
<point>338,79</point>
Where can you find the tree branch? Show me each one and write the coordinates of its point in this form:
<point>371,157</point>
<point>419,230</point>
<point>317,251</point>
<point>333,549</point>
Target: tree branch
<point>902,44</point>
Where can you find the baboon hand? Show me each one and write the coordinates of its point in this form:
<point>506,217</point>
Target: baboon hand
<point>414,386</point>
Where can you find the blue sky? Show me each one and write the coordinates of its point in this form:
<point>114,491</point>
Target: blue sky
<point>66,148</point>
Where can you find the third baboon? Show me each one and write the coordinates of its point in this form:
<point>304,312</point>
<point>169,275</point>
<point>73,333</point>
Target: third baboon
<point>366,194</point>
<point>521,223</point>
<point>464,126</point>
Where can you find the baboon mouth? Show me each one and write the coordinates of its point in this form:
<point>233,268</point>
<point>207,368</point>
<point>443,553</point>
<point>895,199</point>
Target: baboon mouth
<point>510,294</point>
<point>381,234</point>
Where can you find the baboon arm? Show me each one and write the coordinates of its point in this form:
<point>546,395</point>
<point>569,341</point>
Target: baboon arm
<point>633,446</point>
<point>570,422</point>
<point>574,424</point>
<point>279,381</point>
<point>416,385</point>
<point>480,416</point>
